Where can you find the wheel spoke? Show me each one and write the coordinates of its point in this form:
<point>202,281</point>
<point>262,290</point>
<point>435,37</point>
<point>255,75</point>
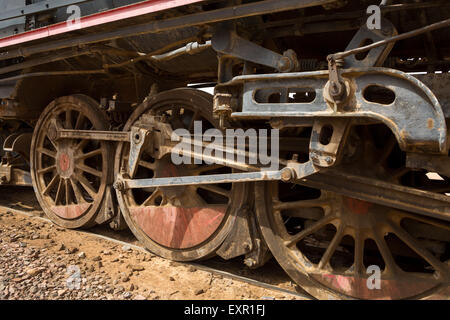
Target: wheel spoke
<point>151,199</point>
<point>147,164</point>
<point>88,155</point>
<point>89,170</point>
<point>311,229</point>
<point>68,122</point>
<point>80,121</point>
<point>358,262</point>
<point>53,144</point>
<point>423,219</point>
<point>76,190</point>
<point>80,146</point>
<point>331,247</point>
<point>389,261</point>
<point>50,185</point>
<point>418,248</point>
<point>66,185</point>
<point>215,189</point>
<point>319,203</point>
<point>193,198</point>
<point>46,170</point>
<point>59,192</point>
<point>51,154</point>
<point>87,186</point>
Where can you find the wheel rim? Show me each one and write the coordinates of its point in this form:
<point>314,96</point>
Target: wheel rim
<point>180,223</point>
<point>326,241</point>
<point>70,176</point>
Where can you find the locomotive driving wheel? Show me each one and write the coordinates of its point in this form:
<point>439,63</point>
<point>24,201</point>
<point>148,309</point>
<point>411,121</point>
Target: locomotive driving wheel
<point>70,175</point>
<point>182,223</point>
<point>335,247</point>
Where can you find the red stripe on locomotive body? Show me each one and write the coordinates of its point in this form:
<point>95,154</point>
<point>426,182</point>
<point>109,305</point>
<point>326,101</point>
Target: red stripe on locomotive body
<point>116,14</point>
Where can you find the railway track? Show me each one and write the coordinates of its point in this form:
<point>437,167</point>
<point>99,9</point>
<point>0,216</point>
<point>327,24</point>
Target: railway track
<point>229,269</point>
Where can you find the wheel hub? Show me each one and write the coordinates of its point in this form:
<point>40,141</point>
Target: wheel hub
<point>65,162</point>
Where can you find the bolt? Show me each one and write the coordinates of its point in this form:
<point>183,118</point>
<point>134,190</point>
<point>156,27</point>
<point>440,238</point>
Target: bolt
<point>386,30</point>
<point>110,213</point>
<point>137,138</point>
<point>287,174</point>
<point>337,90</point>
<point>250,262</point>
<point>295,157</point>
<point>329,160</point>
<point>52,133</point>
<point>3,179</point>
<point>284,64</point>
<point>119,185</point>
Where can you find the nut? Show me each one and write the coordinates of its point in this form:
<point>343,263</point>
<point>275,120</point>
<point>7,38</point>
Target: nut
<point>119,185</point>
<point>250,262</point>
<point>287,174</point>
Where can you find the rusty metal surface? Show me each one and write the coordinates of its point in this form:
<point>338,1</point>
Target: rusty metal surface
<point>219,15</point>
<point>415,116</point>
<point>72,211</point>
<point>229,43</point>
<point>178,199</point>
<point>344,180</point>
<point>433,163</point>
<point>199,180</point>
<point>69,186</point>
<point>316,255</point>
<point>96,19</point>
<point>178,227</point>
<point>421,202</point>
<point>438,83</point>
<point>357,287</point>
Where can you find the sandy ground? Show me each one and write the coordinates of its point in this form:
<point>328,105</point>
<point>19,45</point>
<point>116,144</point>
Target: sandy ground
<point>39,260</point>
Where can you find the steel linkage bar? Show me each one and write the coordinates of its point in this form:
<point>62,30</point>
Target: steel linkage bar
<point>406,35</point>
<point>93,135</point>
<point>285,174</point>
<point>404,198</point>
